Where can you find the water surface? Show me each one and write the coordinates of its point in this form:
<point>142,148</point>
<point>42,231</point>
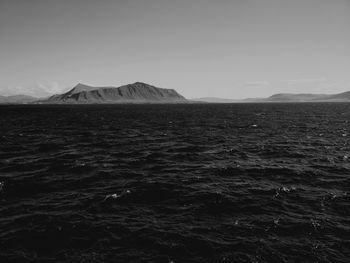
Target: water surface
<point>175,183</point>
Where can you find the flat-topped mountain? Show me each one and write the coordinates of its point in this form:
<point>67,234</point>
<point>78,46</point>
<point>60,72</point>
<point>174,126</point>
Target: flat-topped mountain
<point>132,93</point>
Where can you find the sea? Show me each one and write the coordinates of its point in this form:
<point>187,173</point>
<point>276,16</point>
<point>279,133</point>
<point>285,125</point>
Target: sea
<point>175,183</point>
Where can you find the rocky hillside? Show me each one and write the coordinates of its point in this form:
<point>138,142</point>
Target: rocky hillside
<point>132,93</point>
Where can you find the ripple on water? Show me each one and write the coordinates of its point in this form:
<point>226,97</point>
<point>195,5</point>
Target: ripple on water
<point>174,183</point>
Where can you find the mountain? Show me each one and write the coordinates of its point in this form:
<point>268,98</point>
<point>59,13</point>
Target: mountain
<point>80,88</point>
<point>132,93</point>
<point>16,99</point>
<point>139,92</point>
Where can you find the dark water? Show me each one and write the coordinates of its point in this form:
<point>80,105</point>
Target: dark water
<point>175,183</point>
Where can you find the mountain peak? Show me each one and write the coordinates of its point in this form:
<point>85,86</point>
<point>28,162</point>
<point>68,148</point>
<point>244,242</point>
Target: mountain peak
<point>79,88</point>
<point>139,83</point>
<point>81,85</point>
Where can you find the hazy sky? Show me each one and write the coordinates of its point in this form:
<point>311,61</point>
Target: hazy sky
<point>222,48</point>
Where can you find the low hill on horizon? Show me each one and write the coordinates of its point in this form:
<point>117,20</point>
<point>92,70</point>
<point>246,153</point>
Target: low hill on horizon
<point>295,97</point>
<point>284,97</point>
<point>213,100</point>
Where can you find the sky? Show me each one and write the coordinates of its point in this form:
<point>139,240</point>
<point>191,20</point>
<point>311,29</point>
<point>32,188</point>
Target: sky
<point>201,48</point>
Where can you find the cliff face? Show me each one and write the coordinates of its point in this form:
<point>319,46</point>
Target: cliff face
<point>133,93</point>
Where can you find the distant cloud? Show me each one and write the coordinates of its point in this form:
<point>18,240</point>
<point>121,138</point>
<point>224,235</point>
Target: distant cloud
<point>53,87</point>
<point>35,90</point>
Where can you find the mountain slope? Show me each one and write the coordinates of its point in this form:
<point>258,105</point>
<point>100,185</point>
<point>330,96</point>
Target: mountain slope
<point>132,93</point>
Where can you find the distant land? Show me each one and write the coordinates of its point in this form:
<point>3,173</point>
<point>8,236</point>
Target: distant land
<point>137,92</point>
<point>285,97</point>
<point>214,100</point>
<point>140,92</point>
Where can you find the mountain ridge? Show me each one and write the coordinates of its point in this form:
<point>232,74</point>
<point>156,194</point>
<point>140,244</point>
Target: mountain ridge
<point>140,92</point>
<point>137,92</point>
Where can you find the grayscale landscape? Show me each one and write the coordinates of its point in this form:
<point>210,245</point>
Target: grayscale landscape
<point>183,131</point>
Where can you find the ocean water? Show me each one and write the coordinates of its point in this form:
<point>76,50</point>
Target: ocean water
<point>175,183</point>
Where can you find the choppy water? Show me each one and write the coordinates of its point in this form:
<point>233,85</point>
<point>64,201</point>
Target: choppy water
<point>175,183</point>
